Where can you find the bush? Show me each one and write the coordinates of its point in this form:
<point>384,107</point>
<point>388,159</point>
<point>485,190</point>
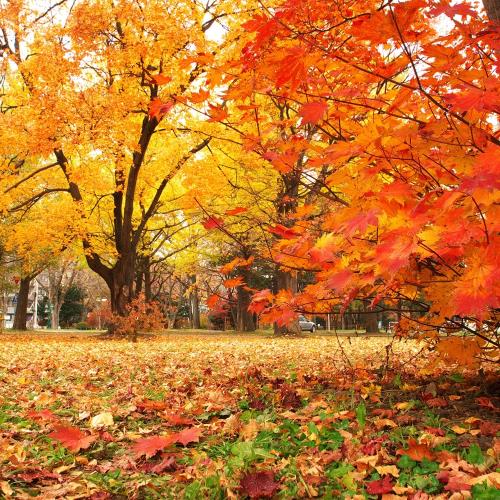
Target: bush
<point>141,316</point>
<point>83,325</point>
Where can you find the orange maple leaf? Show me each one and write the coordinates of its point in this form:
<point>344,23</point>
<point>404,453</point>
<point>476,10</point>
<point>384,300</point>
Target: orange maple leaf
<point>234,282</point>
<point>417,451</point>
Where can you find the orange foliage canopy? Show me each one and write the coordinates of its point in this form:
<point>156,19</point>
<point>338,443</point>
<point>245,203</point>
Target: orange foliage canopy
<point>393,104</point>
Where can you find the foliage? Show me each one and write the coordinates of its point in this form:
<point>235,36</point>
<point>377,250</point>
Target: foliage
<point>387,112</point>
<point>72,309</point>
<point>141,316</point>
<point>181,416</point>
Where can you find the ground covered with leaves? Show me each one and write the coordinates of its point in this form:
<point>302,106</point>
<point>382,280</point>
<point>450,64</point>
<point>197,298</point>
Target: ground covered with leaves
<point>218,417</point>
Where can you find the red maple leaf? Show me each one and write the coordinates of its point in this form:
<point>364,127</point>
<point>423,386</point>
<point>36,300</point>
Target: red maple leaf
<point>174,419</point>
<point>72,438</point>
<point>236,211</point>
<point>212,301</point>
<point>292,68</point>
<point>212,223</point>
<point>313,112</point>
<point>379,487</point>
<point>161,79</point>
<point>283,231</point>
<point>150,446</point>
<point>186,436</point>
<point>259,484</point>
<point>158,109</point>
<point>45,414</point>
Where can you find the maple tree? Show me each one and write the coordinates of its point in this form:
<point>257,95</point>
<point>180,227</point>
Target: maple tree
<point>391,108</point>
<point>86,94</point>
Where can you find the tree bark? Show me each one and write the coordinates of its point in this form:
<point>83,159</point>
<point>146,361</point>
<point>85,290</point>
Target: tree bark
<point>194,305</point>
<point>244,318</point>
<point>371,322</point>
<point>21,314</point>
<point>492,8</point>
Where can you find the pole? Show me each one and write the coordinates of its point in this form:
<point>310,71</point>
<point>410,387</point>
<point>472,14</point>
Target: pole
<point>35,310</point>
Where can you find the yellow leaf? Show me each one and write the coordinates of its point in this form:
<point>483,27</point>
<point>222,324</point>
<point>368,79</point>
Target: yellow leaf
<point>458,430</point>
<point>104,419</point>
<point>403,406</point>
<point>387,469</point>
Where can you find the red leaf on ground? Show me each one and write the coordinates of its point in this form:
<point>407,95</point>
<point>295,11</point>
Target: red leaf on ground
<point>186,436</point>
<point>437,403</point>
<point>435,431</point>
<point>45,414</point>
<point>148,404</point>
<point>485,403</point>
<point>380,486</point>
<point>151,446</point>
<point>313,112</point>
<point>417,451</point>
<point>489,428</point>
<point>168,463</point>
<point>72,438</point>
<point>32,475</point>
<point>259,484</point>
<point>175,419</point>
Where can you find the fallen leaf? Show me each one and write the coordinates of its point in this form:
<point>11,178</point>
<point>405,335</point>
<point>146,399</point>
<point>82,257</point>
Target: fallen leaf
<point>104,419</point>
<point>259,484</point>
<point>416,451</point>
<point>186,436</point>
<point>380,486</point>
<point>150,446</point>
<point>72,438</point>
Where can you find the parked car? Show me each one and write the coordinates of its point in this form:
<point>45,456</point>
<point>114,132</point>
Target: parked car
<point>306,325</point>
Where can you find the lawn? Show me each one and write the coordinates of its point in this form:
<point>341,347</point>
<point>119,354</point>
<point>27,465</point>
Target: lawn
<point>225,416</point>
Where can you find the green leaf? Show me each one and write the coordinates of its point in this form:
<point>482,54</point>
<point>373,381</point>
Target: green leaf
<point>405,462</point>
<point>484,492</point>
<point>474,455</point>
<point>361,414</point>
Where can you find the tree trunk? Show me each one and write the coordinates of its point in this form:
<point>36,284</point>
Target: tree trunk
<point>492,8</point>
<point>148,296</point>
<point>21,314</point>
<point>194,305</point>
<point>244,318</point>
<point>56,309</point>
<point>284,280</point>
<point>371,322</point>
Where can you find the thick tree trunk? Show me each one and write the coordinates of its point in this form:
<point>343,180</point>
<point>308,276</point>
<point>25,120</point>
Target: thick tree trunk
<point>371,321</point>
<point>244,318</point>
<point>56,309</point>
<point>284,280</point>
<point>492,8</point>
<point>21,314</point>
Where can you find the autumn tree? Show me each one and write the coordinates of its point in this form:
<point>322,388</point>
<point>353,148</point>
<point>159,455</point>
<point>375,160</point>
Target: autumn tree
<point>87,86</point>
<point>397,101</point>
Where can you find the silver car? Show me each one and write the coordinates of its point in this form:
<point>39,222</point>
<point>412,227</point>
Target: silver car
<point>306,325</point>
